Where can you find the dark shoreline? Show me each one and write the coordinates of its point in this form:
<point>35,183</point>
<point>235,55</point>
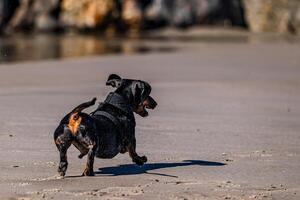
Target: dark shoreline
<point>44,46</point>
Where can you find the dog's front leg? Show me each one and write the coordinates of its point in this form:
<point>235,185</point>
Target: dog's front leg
<point>139,160</point>
<point>89,169</point>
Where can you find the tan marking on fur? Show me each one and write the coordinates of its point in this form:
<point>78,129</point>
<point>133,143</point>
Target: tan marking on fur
<point>74,123</point>
<point>140,109</point>
<point>146,103</point>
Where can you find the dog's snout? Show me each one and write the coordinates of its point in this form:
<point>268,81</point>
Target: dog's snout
<point>151,103</point>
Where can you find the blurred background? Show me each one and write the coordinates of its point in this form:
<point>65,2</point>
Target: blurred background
<point>73,28</point>
<point>225,73</point>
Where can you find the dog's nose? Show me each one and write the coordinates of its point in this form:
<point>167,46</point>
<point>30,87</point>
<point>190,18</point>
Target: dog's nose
<point>152,102</point>
<point>155,104</point>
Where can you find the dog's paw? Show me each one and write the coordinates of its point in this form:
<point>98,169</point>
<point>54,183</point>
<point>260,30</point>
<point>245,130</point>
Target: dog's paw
<point>88,173</point>
<point>62,168</point>
<point>144,159</point>
<point>62,174</point>
<point>140,160</point>
<point>59,177</point>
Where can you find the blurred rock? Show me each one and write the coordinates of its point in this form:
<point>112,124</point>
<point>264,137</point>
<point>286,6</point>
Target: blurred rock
<point>7,9</point>
<point>184,13</point>
<point>159,12</point>
<point>179,13</point>
<point>233,10</point>
<point>46,14</point>
<point>46,23</point>
<point>295,21</point>
<point>205,9</point>
<point>132,14</point>
<point>271,15</point>
<point>23,17</point>
<point>220,12</point>
<point>35,13</point>
<point>86,13</point>
<point>280,16</point>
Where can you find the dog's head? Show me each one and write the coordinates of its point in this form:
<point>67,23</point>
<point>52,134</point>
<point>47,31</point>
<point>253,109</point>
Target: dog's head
<point>136,92</point>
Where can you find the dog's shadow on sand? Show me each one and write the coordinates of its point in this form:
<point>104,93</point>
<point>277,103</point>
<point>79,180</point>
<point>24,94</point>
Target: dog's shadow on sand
<point>133,169</point>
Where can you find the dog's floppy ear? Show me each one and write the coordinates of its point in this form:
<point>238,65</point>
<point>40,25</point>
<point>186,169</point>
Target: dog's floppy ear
<point>114,80</point>
<point>143,90</point>
<point>146,90</point>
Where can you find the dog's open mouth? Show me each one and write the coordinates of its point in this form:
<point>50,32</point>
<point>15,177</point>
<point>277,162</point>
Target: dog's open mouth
<point>141,110</point>
<point>149,103</point>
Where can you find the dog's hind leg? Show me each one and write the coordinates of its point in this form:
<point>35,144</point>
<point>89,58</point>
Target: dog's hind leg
<point>63,140</point>
<point>139,160</point>
<point>83,151</point>
<point>89,169</point>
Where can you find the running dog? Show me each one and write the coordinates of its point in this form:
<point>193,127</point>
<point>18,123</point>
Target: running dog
<point>108,130</point>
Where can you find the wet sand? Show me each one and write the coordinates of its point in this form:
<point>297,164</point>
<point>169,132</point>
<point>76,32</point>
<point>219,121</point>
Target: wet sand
<point>227,125</point>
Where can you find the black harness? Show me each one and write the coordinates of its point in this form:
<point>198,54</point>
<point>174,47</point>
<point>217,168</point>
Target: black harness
<point>118,102</point>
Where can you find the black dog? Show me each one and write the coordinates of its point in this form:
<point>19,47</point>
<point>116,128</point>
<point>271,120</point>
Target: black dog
<point>110,129</point>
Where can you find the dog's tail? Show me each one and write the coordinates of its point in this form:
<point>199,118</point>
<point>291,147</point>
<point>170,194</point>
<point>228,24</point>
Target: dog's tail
<point>83,106</point>
<point>75,118</point>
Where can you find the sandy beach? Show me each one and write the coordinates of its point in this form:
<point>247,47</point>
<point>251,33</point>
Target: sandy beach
<point>227,125</point>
